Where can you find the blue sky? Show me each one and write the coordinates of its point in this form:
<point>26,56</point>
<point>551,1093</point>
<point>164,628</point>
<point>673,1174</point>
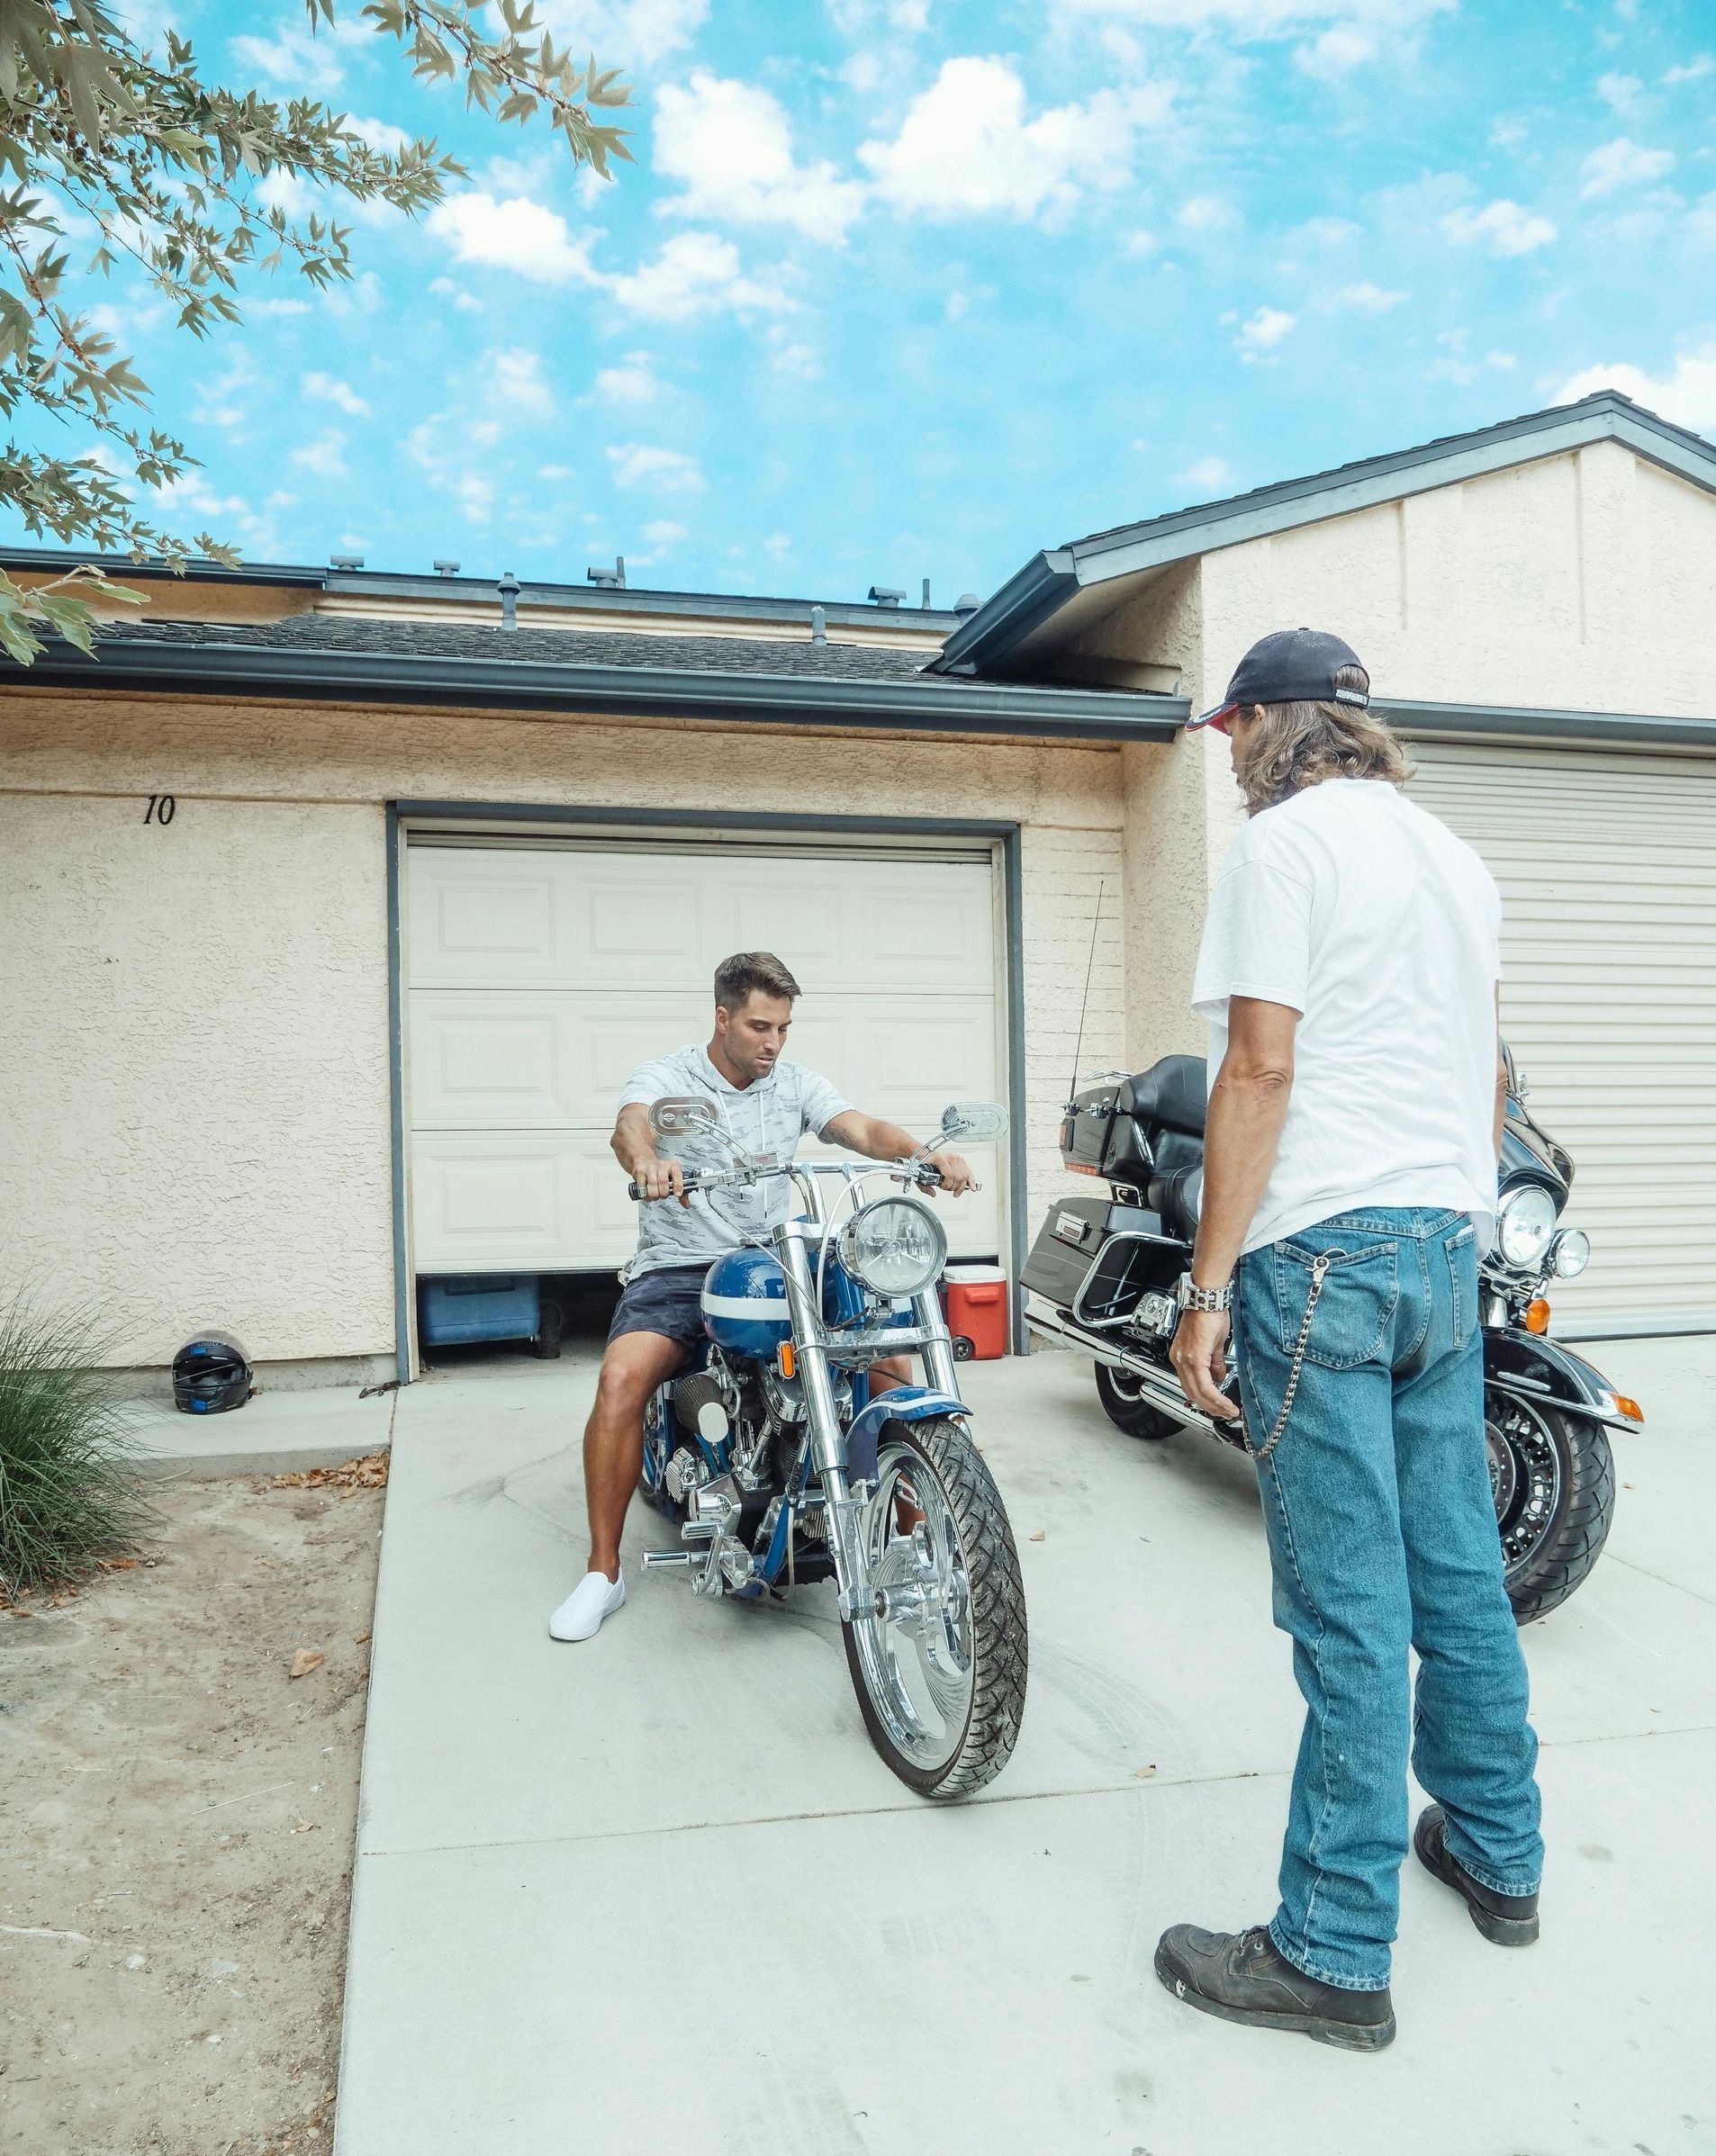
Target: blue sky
<point>908,288</point>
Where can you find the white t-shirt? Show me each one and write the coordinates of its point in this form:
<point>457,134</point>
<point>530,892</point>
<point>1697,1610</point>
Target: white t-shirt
<point>768,1116</point>
<point>1354,906</point>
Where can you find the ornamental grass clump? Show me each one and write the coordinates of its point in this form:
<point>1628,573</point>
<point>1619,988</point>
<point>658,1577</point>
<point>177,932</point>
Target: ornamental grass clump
<point>69,1494</point>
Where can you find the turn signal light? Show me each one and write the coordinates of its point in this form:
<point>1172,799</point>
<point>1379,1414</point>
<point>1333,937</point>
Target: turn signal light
<point>1537,1316</point>
<point>788,1361</point>
<point>1076,1168</point>
<point>1630,1409</point>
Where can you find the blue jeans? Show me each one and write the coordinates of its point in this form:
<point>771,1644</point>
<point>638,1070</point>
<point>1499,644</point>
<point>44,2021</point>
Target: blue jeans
<point>1382,1534</point>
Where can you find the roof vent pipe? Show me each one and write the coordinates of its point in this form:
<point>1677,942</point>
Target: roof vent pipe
<point>610,579</point>
<point>447,568</point>
<point>509,589</point>
<point>968,602</point>
<point>885,595</point>
<point>819,626</point>
<point>927,595</point>
<point>345,560</point>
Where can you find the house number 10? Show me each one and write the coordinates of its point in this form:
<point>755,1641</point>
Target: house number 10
<point>160,810</point>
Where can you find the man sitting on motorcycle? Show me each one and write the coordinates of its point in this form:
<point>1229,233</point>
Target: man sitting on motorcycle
<point>766,1105</point>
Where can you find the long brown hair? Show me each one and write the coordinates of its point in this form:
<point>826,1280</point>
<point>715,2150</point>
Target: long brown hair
<point>1297,745</point>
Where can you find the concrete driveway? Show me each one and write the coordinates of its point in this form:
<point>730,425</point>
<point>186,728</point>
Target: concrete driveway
<point>656,1893</point>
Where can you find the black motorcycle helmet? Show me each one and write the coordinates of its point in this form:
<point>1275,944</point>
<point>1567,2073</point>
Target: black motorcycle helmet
<point>210,1375</point>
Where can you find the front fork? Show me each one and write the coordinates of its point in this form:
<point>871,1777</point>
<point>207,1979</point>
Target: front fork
<point>844,1511</point>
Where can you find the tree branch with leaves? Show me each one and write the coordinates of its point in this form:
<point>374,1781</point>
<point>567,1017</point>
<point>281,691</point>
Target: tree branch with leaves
<point>98,133</point>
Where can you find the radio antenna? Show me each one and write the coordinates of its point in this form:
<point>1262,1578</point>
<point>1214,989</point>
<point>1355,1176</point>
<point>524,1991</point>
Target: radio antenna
<point>1090,967</point>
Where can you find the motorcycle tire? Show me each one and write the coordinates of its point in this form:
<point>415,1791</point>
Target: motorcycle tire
<point>1552,1480</point>
<point>1126,1408</point>
<point>937,1514</point>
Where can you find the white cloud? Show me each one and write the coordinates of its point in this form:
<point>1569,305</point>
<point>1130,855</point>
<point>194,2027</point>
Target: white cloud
<point>966,148</point>
<point>323,456</point>
<point>729,146</point>
<point>306,63</point>
<point>695,273</point>
<point>516,385</point>
<point>1458,364</point>
<point>631,33</point>
<point>1336,52</point>
<point>1623,94</point>
<point>1325,232</point>
<point>789,355</point>
<point>328,389</point>
<point>664,533</point>
<point>517,234</point>
<point>778,546</point>
<point>447,288</point>
<point>1262,18</point>
<point>278,307</point>
<point>1686,393</point>
<point>1205,476</point>
<point>1369,299</point>
<point>1141,243</point>
<point>1262,332</point>
<point>1502,225</point>
<point>1623,163</point>
<point>664,471</point>
<point>380,134</point>
<point>633,382</point>
<point>1693,70</point>
<point>1205,213</point>
<point>225,401</point>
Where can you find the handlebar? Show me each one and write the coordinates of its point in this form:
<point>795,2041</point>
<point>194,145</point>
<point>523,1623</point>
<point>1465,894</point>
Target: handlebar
<point>714,1178</point>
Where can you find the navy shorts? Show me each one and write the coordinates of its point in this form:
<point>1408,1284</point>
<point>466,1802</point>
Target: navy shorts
<point>668,1301</point>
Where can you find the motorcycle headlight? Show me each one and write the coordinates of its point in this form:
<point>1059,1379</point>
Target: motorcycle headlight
<point>1524,1225</point>
<point>1570,1253</point>
<point>896,1246</point>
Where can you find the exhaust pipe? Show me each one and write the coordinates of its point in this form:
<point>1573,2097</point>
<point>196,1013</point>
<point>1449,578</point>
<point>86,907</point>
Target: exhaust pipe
<point>1158,1387</point>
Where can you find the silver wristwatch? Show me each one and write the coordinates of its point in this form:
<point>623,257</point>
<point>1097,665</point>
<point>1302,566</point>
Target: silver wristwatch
<point>1192,1297</point>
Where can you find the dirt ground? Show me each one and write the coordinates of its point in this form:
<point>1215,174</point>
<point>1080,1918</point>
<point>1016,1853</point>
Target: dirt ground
<point>177,1838</point>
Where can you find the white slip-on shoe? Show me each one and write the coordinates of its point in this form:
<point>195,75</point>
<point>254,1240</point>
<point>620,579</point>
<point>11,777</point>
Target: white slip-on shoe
<point>580,1616</point>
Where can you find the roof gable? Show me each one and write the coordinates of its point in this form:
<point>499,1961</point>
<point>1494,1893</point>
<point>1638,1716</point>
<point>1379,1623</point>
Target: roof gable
<point>984,642</point>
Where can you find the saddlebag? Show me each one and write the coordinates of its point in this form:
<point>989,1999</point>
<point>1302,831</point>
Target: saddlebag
<point>1082,1233</point>
<point>1098,1137</point>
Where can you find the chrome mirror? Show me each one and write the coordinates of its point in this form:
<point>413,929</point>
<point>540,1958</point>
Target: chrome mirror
<point>680,1117</point>
<point>977,1120</point>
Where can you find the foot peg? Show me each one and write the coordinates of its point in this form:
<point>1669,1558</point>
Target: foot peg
<point>655,1558</point>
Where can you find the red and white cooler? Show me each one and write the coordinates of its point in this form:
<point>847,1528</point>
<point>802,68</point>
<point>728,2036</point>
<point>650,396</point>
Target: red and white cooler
<point>976,1299</point>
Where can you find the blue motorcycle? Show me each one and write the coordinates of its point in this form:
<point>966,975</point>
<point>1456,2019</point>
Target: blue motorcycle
<point>782,1470</point>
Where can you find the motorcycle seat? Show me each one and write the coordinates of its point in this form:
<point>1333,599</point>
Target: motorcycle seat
<point>1171,1094</point>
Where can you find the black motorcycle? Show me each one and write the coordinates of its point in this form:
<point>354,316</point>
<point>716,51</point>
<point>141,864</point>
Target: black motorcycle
<point>1103,1273</point>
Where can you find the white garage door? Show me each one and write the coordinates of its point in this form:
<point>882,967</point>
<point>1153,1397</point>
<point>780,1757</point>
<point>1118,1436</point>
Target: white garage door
<point>540,975</point>
<point>1606,861</point>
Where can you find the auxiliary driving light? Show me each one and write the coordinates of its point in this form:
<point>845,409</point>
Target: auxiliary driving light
<point>1570,1253</point>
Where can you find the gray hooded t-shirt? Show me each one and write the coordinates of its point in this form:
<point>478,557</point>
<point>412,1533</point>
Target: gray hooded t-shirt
<point>767,1118</point>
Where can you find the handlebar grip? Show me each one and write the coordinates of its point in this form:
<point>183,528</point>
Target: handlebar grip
<point>635,1193</point>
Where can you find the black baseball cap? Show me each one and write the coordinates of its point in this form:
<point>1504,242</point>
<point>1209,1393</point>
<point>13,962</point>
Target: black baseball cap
<point>1288,666</point>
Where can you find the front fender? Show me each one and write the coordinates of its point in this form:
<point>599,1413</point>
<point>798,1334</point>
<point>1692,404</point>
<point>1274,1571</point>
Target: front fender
<point>905,1403</point>
<point>1536,1368</point>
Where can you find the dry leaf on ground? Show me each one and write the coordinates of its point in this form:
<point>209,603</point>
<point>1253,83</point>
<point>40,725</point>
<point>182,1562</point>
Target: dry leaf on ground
<point>303,1662</point>
<point>1143,1773</point>
<point>370,1473</point>
<point>1042,1537</point>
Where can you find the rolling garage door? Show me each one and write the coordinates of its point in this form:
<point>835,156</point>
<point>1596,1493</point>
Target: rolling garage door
<point>540,974</point>
<point>1606,861</point>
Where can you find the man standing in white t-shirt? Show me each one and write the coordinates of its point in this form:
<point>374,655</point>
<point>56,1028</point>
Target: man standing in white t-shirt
<point>1348,974</point>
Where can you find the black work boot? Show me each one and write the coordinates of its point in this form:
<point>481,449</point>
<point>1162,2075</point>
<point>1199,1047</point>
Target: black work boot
<point>1509,1919</point>
<point>1241,1976</point>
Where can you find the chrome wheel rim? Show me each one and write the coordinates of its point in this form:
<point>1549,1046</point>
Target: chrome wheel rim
<point>918,1651</point>
<point>1525,1478</point>
<point>1126,1388</point>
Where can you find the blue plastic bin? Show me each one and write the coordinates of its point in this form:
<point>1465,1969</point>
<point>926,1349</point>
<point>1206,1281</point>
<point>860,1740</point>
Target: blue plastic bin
<point>481,1306</point>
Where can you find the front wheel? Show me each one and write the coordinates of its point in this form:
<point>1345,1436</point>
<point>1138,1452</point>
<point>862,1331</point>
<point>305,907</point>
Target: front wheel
<point>1124,1402</point>
<point>1552,1481</point>
<point>940,1670</point>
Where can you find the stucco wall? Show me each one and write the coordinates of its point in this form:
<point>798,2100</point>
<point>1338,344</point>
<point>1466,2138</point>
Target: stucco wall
<point>195,1019</point>
<point>1583,582</point>
<point>273,869</point>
